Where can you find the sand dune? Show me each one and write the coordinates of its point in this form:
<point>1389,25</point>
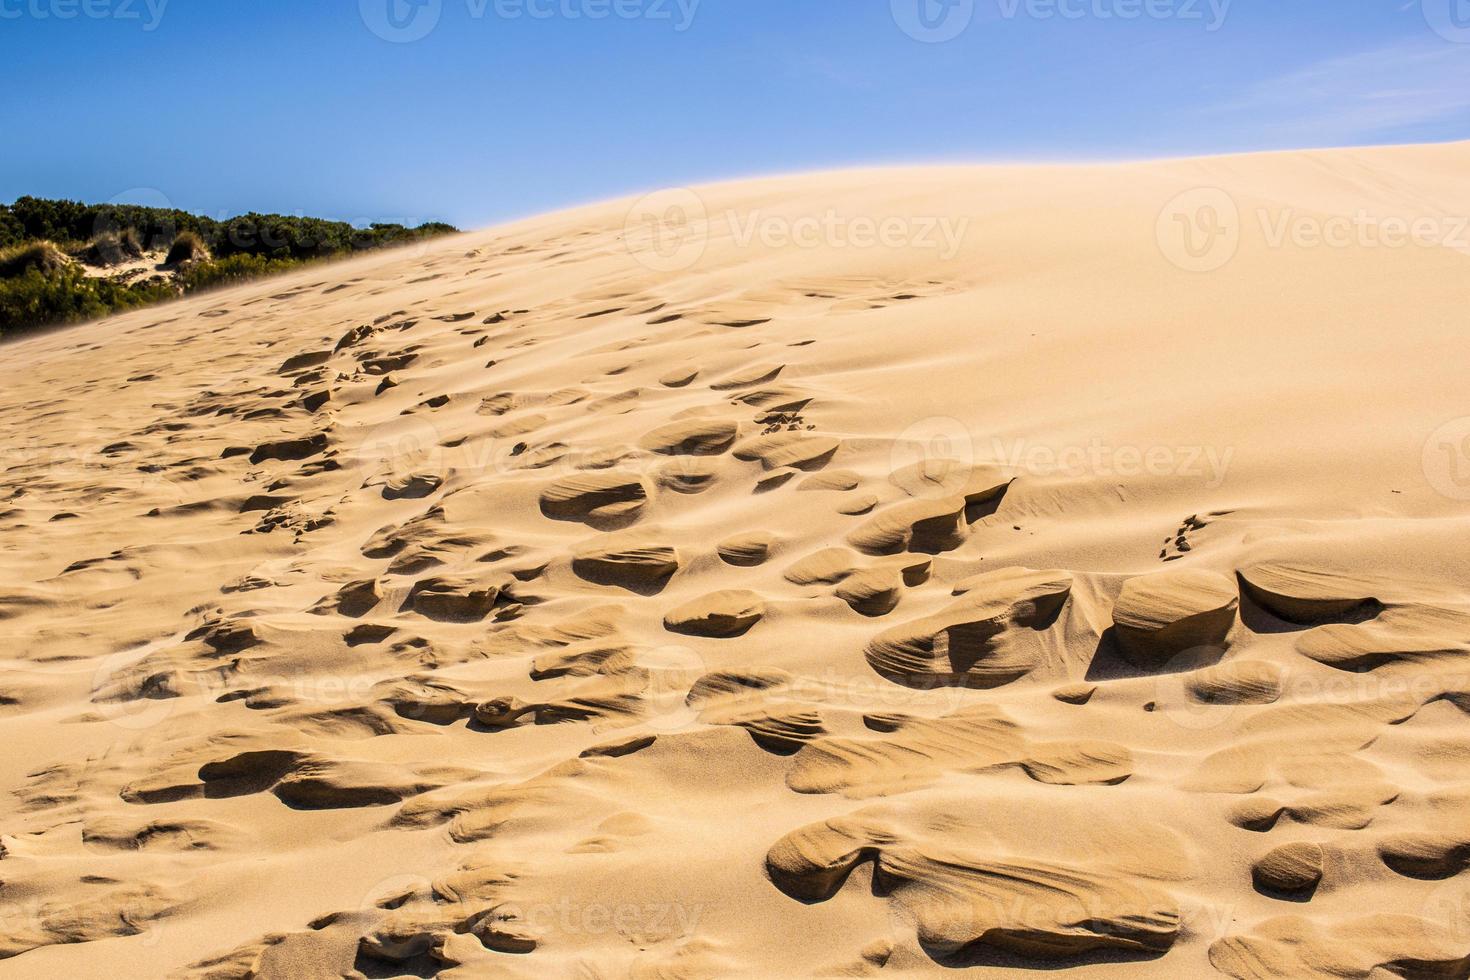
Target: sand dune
<point>596,598</point>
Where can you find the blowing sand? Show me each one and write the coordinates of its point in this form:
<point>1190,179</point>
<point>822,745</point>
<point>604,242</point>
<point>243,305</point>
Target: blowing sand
<point>716,598</point>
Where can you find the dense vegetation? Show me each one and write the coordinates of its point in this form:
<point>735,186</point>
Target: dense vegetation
<point>35,298</point>
<point>272,235</point>
<point>43,241</point>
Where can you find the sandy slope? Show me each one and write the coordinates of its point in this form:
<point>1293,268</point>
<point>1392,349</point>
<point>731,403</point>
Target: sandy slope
<point>559,601</point>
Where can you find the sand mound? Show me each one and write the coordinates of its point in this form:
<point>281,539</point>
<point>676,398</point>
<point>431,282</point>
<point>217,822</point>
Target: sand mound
<point>993,636</point>
<point>1162,615</point>
<point>1073,885</point>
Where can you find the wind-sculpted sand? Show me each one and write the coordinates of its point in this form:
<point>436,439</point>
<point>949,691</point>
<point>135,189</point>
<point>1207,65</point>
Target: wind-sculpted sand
<point>590,598</point>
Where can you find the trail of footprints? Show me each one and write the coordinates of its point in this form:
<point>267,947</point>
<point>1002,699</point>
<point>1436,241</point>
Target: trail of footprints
<point>605,610</point>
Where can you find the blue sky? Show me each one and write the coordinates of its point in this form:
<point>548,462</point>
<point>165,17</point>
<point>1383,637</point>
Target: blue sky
<point>505,108</point>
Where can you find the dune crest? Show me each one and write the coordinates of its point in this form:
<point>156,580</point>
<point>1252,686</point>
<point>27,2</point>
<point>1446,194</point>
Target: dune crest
<point>517,606</point>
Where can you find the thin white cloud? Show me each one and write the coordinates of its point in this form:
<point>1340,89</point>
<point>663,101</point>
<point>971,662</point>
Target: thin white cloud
<point>1360,96</point>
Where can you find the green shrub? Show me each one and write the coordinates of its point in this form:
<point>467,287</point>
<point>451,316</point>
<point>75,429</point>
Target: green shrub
<point>132,243</point>
<point>236,268</point>
<point>12,232</point>
<point>44,287</point>
<point>43,256</point>
<point>55,220</point>
<point>111,248</point>
<point>187,247</point>
<point>35,299</point>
